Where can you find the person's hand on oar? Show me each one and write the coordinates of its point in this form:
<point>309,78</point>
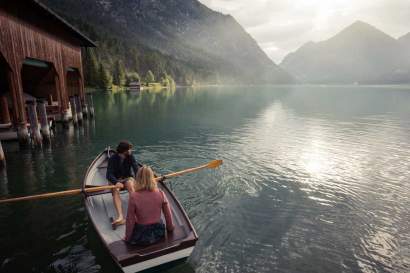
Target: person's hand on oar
<point>119,185</point>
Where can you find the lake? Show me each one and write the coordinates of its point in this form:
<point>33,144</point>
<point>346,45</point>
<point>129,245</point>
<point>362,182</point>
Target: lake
<point>315,179</point>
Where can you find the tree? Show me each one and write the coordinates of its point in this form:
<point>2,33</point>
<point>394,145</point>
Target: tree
<point>132,77</point>
<point>189,79</point>
<point>149,78</point>
<point>90,67</point>
<point>119,73</point>
<point>171,82</point>
<point>165,82</point>
<point>157,64</point>
<point>135,62</point>
<point>105,80</point>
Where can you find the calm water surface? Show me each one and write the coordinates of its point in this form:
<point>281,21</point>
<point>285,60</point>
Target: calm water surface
<point>316,179</point>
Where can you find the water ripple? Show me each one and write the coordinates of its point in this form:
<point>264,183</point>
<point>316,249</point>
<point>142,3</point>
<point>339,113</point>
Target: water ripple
<point>314,180</point>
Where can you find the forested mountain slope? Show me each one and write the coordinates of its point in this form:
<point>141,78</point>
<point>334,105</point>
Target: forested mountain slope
<point>181,37</point>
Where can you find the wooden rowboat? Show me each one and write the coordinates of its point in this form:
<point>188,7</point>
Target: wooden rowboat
<point>177,245</point>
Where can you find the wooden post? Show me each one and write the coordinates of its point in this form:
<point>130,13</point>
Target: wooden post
<point>22,134</point>
<point>65,118</point>
<point>85,108</point>
<point>90,104</point>
<point>78,109</point>
<point>16,93</point>
<point>42,112</point>
<point>2,157</point>
<point>82,94</point>
<point>4,107</point>
<point>62,88</point>
<point>73,110</point>
<point>34,127</point>
<point>50,99</point>
<point>61,96</point>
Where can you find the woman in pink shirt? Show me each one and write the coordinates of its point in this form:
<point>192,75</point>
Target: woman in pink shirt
<point>144,225</point>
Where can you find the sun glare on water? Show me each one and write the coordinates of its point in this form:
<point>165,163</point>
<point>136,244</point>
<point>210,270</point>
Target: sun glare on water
<point>315,160</point>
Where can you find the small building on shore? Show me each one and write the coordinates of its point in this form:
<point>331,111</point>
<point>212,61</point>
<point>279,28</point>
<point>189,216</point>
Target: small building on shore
<point>40,59</point>
<point>134,86</point>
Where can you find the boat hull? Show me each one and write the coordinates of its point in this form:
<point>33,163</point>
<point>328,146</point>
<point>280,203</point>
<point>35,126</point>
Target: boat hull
<point>177,245</point>
<point>168,258</point>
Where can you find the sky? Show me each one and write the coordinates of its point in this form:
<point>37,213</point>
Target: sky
<point>282,26</point>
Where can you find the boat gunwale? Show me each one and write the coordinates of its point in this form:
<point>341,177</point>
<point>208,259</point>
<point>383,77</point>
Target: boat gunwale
<point>85,195</point>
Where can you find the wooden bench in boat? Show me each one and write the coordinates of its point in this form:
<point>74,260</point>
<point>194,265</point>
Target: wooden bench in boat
<point>6,126</point>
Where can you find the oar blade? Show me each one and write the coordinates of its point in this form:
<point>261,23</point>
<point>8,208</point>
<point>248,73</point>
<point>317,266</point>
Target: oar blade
<point>214,164</point>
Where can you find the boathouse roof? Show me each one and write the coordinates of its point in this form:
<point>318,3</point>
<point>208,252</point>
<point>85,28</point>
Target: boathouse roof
<point>80,36</point>
<point>47,14</point>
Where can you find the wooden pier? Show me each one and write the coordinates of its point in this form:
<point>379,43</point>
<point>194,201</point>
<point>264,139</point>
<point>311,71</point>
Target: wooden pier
<point>40,69</point>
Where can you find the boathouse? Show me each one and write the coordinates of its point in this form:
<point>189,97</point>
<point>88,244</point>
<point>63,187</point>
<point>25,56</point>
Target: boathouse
<point>40,63</point>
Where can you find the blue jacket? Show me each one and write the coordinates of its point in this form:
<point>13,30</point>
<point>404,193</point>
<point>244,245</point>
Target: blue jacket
<point>119,168</point>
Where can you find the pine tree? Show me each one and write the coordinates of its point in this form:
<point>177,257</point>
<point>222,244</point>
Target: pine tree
<point>171,82</point>
<point>165,79</point>
<point>149,78</point>
<point>119,74</point>
<point>90,67</point>
<point>105,80</point>
<point>136,62</point>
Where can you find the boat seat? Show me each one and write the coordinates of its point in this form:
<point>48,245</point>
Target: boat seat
<point>124,251</point>
<point>6,126</point>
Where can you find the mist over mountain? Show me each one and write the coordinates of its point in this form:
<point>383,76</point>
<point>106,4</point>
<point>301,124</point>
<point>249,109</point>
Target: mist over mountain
<point>405,47</point>
<point>405,39</point>
<point>189,38</point>
<point>359,53</point>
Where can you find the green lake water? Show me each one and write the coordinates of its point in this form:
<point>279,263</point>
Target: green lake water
<point>315,179</point>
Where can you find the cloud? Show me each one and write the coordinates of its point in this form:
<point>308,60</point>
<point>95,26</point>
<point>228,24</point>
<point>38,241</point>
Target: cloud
<point>281,26</point>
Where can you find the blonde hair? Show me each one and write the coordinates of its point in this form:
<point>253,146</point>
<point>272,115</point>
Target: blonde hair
<point>146,179</point>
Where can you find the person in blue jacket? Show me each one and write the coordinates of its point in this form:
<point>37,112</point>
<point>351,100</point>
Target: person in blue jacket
<point>121,170</point>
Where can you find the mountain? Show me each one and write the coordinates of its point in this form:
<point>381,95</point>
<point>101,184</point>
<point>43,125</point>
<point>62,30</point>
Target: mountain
<point>208,45</point>
<point>405,39</point>
<point>359,53</point>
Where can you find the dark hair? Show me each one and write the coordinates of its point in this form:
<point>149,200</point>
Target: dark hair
<point>124,146</point>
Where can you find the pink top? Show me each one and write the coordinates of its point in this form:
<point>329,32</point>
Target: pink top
<point>144,207</point>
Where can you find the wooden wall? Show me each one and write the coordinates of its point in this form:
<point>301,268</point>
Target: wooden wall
<point>20,40</point>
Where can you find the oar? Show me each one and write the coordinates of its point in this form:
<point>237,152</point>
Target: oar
<point>211,165</point>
